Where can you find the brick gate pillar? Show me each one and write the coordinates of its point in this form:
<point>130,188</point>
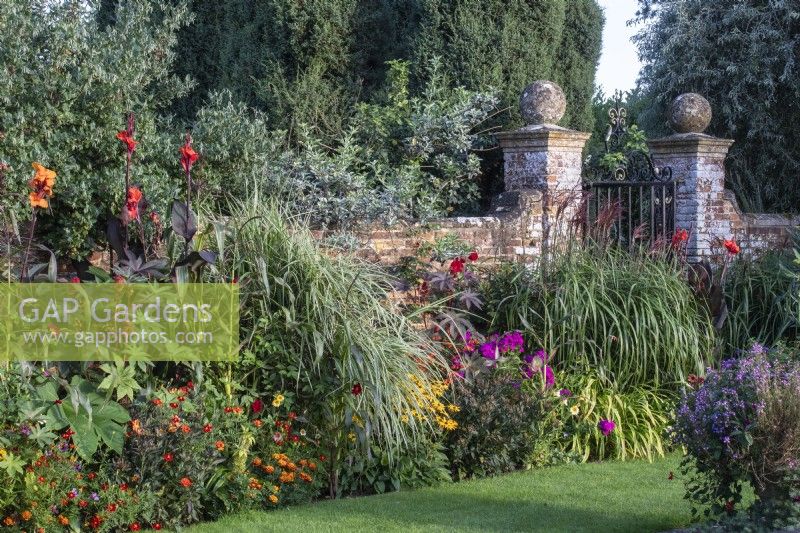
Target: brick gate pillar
<point>698,165</point>
<point>542,167</point>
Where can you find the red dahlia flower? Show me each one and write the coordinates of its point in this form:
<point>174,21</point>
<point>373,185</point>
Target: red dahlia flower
<point>257,405</point>
<point>473,256</point>
<point>457,266</point>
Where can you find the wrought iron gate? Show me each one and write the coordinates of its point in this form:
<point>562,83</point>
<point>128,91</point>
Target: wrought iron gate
<point>627,199</point>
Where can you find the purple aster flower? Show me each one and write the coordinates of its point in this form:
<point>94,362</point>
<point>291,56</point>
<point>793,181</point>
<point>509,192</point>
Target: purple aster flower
<point>95,496</point>
<point>565,393</point>
<point>758,349</point>
<point>606,427</point>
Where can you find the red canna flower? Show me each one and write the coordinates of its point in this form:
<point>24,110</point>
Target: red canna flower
<point>732,247</point>
<point>356,390</point>
<point>473,256</point>
<point>188,155</point>
<point>132,202</point>
<point>681,235</point>
<point>257,405</point>
<point>127,139</point>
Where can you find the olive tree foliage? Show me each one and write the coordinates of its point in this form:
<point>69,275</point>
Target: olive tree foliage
<point>65,88</point>
<point>742,55</point>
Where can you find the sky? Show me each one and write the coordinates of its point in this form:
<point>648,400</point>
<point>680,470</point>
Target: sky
<point>619,64</point>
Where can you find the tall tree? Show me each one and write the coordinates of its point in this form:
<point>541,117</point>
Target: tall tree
<point>307,62</point>
<point>743,56</point>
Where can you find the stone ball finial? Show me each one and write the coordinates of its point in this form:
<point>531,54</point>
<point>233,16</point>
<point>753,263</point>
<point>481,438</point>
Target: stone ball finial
<point>690,113</point>
<point>542,102</point>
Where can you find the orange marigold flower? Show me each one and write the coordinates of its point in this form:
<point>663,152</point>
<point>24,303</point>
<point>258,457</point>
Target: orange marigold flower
<point>8,521</point>
<point>219,445</point>
<point>269,469</point>
<point>273,499</point>
<point>26,515</point>
<point>63,520</point>
<point>732,247</point>
<point>186,482</point>
<point>257,461</point>
<point>185,428</point>
<point>42,184</point>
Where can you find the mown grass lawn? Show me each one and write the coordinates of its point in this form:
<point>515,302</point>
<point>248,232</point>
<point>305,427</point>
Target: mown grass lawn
<point>611,496</point>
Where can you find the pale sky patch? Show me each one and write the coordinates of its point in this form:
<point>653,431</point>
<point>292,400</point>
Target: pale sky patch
<point>619,64</point>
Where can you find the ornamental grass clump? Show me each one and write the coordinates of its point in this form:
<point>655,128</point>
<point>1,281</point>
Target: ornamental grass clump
<point>631,318</point>
<point>741,425</point>
<point>320,327</point>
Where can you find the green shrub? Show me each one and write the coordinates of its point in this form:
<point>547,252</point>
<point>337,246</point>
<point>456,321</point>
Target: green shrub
<point>422,465</point>
<point>498,424</point>
<point>631,318</point>
<point>63,97</point>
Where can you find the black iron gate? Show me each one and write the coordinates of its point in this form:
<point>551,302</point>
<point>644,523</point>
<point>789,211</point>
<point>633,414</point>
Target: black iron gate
<point>627,200</point>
